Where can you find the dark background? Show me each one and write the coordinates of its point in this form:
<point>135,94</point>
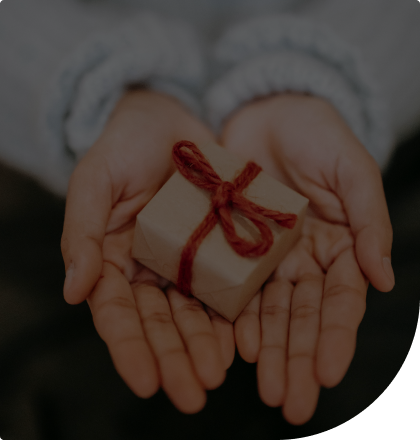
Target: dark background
<point>56,377</point>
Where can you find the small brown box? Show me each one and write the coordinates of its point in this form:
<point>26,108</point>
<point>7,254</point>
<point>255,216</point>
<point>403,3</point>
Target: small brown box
<point>222,279</point>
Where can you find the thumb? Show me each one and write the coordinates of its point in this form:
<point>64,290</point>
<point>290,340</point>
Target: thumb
<point>361,190</point>
<point>89,203</point>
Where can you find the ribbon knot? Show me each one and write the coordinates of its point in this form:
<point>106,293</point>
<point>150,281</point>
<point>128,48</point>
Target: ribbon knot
<point>223,196</point>
<point>192,164</point>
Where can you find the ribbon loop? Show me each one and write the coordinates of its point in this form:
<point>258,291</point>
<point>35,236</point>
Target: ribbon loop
<point>194,166</point>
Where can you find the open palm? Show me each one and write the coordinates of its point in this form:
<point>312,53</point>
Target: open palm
<point>302,328</point>
<point>155,339</point>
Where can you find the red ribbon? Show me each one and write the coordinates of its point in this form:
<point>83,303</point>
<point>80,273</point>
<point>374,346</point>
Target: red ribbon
<point>194,166</point>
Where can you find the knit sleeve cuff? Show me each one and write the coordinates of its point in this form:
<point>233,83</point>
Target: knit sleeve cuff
<point>278,54</point>
<point>147,50</point>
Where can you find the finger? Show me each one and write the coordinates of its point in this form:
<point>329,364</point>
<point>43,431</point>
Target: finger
<point>118,324</point>
<point>343,307</point>
<point>87,210</point>
<point>360,187</point>
<point>248,331</point>
<point>302,384</point>
<point>178,378</point>
<point>223,330</point>
<point>196,330</point>
<point>271,368</point>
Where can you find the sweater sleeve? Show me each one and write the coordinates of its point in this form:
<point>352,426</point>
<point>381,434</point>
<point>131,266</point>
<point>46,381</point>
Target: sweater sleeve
<point>291,53</point>
<point>64,67</point>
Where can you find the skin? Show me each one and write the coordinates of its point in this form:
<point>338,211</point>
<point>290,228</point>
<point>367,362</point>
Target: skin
<point>301,328</point>
<point>155,339</point>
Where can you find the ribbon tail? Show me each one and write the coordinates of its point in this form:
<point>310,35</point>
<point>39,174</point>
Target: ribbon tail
<point>288,222</point>
<point>283,219</point>
<point>189,252</point>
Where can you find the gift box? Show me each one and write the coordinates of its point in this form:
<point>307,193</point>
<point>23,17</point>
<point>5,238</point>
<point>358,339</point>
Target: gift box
<point>221,278</point>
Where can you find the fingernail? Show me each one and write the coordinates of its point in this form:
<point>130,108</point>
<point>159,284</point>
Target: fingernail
<point>386,262</point>
<point>68,280</point>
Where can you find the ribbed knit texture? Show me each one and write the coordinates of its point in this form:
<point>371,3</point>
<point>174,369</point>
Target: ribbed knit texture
<point>64,66</point>
<point>144,50</point>
<point>65,63</point>
<point>285,53</point>
<point>387,35</point>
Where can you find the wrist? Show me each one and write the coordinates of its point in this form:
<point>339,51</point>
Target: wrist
<point>262,115</point>
<point>148,103</point>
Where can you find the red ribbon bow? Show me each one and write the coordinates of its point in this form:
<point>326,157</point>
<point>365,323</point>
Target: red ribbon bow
<point>193,165</point>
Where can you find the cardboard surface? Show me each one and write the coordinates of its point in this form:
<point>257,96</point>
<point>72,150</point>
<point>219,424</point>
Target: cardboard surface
<point>222,279</point>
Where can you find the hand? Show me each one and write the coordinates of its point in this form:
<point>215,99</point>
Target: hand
<point>302,328</point>
<point>154,339</point>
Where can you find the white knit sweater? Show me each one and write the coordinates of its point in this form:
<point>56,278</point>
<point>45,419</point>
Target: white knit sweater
<point>65,63</point>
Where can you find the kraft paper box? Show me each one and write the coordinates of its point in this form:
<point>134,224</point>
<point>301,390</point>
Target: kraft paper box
<point>222,279</point>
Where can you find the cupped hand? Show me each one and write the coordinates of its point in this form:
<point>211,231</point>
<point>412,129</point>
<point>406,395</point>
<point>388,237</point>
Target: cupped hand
<point>302,327</point>
<point>155,339</point>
